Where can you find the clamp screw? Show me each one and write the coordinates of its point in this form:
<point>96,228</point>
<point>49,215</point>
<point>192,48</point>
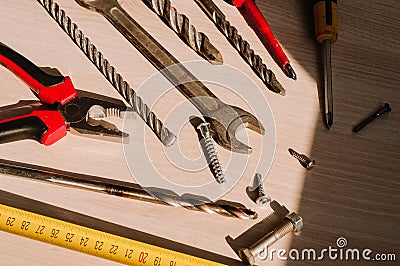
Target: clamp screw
<point>263,199</point>
<point>292,223</point>
<point>304,160</point>
<point>212,155</point>
<point>385,109</point>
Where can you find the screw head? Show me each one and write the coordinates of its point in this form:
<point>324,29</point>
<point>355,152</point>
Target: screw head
<point>204,129</point>
<point>387,107</point>
<point>263,200</point>
<point>310,164</point>
<point>296,220</point>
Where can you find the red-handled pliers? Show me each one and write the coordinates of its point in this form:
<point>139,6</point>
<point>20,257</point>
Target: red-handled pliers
<point>62,107</point>
<point>259,24</point>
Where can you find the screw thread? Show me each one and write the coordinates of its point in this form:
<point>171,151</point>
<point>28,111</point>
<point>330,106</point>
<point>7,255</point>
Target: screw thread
<point>285,228</point>
<point>277,233</point>
<point>212,155</point>
<point>214,161</point>
<point>261,190</point>
<point>301,157</point>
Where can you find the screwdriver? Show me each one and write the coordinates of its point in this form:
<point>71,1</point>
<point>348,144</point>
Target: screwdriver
<point>326,33</point>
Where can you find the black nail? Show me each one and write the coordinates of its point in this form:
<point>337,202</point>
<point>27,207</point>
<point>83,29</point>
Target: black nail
<point>368,120</point>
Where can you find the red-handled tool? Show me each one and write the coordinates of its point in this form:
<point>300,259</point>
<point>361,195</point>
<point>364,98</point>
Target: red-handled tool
<point>257,22</point>
<point>60,108</point>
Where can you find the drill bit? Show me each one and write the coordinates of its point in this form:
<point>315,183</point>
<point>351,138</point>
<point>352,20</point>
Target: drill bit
<point>256,20</point>
<point>223,118</point>
<point>122,189</point>
<point>242,46</point>
<point>108,71</point>
<point>178,22</point>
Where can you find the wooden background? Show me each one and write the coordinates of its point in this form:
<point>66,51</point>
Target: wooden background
<point>353,191</point>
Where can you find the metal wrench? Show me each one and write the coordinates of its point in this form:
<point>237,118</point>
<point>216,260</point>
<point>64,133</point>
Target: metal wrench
<point>223,118</point>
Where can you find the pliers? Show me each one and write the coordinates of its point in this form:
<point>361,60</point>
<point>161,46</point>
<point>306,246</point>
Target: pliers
<point>61,107</point>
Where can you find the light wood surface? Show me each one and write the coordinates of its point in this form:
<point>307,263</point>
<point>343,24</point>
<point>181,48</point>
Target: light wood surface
<point>352,192</point>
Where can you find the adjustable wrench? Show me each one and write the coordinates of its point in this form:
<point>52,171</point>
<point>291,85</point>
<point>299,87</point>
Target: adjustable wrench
<point>223,118</point>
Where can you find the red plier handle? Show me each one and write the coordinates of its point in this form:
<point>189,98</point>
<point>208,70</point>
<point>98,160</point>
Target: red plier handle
<point>45,126</point>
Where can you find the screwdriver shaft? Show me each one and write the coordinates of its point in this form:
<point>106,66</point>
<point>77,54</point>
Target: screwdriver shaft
<point>326,33</point>
<point>122,189</point>
<point>327,62</point>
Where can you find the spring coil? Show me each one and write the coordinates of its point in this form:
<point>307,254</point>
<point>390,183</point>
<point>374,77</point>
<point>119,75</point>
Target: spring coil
<point>108,71</point>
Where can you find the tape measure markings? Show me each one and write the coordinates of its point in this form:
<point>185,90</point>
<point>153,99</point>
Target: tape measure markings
<point>91,241</point>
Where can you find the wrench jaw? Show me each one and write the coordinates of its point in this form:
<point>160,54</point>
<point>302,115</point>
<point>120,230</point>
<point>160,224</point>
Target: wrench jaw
<point>224,127</point>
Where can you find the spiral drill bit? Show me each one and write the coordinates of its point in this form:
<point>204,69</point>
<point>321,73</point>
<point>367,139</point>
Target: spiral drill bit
<point>212,155</point>
<point>121,189</point>
<point>108,71</point>
<point>242,46</point>
<point>198,41</point>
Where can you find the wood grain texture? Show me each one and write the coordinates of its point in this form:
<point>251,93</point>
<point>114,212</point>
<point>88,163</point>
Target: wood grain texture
<point>353,192</point>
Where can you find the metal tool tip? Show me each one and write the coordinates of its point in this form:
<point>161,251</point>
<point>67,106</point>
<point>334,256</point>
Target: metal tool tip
<point>216,58</point>
<point>329,120</point>
<point>168,138</point>
<point>289,71</point>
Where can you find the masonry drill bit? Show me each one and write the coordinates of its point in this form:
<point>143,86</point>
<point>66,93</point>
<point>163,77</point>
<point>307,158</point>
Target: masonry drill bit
<point>122,189</point>
<point>241,45</point>
<point>256,20</point>
<point>108,71</point>
<point>178,22</point>
<point>224,119</point>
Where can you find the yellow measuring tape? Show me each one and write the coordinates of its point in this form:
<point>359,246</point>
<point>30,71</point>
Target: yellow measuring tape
<point>91,241</point>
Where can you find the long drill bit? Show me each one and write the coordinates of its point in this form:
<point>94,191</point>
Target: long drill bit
<point>241,45</point>
<point>108,71</point>
<point>121,189</point>
<point>179,23</point>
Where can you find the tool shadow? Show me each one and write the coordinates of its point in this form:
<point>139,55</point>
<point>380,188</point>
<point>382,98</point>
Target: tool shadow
<point>252,235</point>
<point>353,192</point>
<point>292,23</point>
<point>41,208</point>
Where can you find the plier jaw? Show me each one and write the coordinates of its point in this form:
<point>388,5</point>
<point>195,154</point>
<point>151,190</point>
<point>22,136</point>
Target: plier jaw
<point>85,114</point>
<point>66,108</point>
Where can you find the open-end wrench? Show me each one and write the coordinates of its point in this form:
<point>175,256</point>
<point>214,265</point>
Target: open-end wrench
<point>224,119</point>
